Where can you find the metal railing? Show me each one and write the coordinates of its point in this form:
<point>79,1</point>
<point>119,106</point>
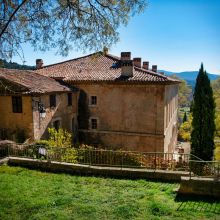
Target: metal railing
<point>101,157</point>
<point>209,169</point>
<point>117,158</point>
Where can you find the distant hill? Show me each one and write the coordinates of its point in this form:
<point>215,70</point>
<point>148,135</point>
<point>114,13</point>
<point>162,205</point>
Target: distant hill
<point>13,65</point>
<point>189,76</point>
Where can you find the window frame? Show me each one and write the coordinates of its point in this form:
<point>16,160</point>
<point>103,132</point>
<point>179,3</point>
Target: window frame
<point>69,99</point>
<point>91,123</point>
<point>93,100</point>
<point>53,100</point>
<point>17,104</point>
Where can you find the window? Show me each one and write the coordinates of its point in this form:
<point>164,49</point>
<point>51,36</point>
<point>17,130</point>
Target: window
<point>52,100</point>
<point>69,97</point>
<point>17,104</point>
<point>94,123</point>
<point>93,100</point>
<point>56,124</point>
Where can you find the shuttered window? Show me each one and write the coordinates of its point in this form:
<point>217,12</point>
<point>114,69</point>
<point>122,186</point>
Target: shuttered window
<point>17,104</point>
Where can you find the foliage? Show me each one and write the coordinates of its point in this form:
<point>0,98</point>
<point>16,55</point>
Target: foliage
<point>14,65</point>
<point>203,112</point>
<point>59,138</point>
<point>216,91</point>
<point>59,146</point>
<point>185,130</point>
<point>62,196</point>
<point>185,93</point>
<point>184,117</point>
<point>45,24</point>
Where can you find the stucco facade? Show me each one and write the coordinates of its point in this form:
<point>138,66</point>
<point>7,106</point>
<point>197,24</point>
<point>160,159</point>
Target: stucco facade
<point>64,113</point>
<point>130,117</point>
<point>33,114</point>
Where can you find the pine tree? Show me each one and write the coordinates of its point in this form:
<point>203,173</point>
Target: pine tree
<point>203,111</point>
<point>184,117</point>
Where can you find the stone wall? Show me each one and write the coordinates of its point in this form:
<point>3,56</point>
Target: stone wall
<point>170,117</point>
<point>129,116</point>
<point>200,186</point>
<point>80,169</point>
<point>12,123</point>
<point>30,122</point>
<point>67,115</point>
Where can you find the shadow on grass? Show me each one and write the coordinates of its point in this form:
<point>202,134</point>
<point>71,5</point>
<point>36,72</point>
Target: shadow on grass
<point>198,203</point>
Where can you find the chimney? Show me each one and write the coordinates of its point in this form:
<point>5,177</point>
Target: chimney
<point>137,62</point>
<point>145,65</point>
<point>39,63</point>
<point>154,68</point>
<point>125,55</point>
<point>105,50</point>
<point>127,68</point>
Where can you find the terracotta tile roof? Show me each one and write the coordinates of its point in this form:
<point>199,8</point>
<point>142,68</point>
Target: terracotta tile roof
<point>31,82</point>
<point>99,67</point>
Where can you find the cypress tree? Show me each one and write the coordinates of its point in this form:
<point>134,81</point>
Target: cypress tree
<point>184,117</point>
<point>203,112</point>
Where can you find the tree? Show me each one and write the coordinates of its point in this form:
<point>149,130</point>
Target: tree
<point>184,133</point>
<point>185,93</point>
<point>184,117</point>
<point>216,90</point>
<point>203,112</point>
<point>45,24</point>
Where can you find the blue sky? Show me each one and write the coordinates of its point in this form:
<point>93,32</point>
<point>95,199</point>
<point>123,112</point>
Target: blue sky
<point>177,35</point>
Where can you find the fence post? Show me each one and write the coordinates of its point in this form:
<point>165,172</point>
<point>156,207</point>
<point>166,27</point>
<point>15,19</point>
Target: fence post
<point>155,160</point>
<point>90,157</point>
<point>218,171</point>
<point>122,160</point>
<point>190,174</point>
<point>8,151</point>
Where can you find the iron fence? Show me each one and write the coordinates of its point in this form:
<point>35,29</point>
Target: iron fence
<point>102,157</point>
<point>205,169</point>
<point>117,158</point>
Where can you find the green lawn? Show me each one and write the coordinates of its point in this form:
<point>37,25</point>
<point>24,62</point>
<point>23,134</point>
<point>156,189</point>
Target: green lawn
<point>27,194</point>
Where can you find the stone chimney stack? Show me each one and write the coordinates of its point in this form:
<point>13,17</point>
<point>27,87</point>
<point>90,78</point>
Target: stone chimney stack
<point>39,63</point>
<point>145,65</point>
<point>137,62</point>
<point>125,56</point>
<point>154,68</point>
<point>127,66</point>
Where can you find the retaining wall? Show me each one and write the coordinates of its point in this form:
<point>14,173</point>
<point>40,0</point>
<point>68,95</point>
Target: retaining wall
<point>131,173</point>
<point>200,186</point>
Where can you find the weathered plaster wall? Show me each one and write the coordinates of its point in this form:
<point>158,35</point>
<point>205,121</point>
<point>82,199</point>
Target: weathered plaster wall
<point>12,122</point>
<point>170,117</point>
<point>129,116</point>
<point>66,114</point>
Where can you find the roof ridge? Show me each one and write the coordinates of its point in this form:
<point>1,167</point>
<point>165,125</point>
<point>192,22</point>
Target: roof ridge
<point>151,72</point>
<point>99,52</point>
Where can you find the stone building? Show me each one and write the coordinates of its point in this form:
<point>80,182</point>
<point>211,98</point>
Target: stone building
<point>122,103</point>
<point>30,103</point>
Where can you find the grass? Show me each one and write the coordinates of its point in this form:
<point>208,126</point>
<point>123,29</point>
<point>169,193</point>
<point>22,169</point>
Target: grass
<point>28,194</point>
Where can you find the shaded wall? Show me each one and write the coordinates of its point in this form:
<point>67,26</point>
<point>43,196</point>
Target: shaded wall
<point>129,116</point>
<point>67,115</point>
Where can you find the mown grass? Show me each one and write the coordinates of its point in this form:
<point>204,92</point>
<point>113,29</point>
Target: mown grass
<point>28,194</point>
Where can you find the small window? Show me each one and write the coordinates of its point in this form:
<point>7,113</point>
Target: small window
<point>56,124</point>
<point>52,100</point>
<point>69,96</point>
<point>94,123</point>
<point>93,100</point>
<point>17,104</point>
